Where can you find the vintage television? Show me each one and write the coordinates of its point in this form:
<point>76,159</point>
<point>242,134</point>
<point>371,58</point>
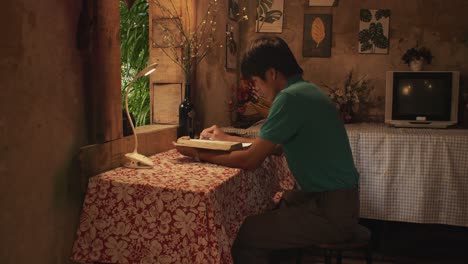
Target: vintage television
<point>422,99</point>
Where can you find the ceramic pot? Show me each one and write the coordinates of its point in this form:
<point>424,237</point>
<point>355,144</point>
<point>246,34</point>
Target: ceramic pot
<point>416,65</point>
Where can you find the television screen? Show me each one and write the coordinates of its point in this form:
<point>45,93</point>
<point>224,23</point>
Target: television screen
<point>422,95</point>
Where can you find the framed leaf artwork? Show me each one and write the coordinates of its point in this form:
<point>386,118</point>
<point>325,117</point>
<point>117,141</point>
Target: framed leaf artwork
<point>317,35</point>
<point>323,2</point>
<point>373,31</point>
<point>232,45</point>
<point>269,16</point>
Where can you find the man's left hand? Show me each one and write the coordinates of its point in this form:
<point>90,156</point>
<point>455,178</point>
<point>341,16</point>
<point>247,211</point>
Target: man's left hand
<point>188,151</point>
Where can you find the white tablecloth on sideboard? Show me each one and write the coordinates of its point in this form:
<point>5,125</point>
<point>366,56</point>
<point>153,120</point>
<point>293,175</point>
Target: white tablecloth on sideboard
<point>408,174</point>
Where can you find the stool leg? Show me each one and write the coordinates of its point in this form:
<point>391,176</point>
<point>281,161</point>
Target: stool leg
<point>368,255</point>
<point>338,257</point>
<point>328,256</point>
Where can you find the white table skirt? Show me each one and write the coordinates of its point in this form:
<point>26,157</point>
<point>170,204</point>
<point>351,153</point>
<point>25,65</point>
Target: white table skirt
<point>408,175</point>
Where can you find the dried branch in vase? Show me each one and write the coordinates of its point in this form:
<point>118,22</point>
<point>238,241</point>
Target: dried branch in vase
<point>195,43</point>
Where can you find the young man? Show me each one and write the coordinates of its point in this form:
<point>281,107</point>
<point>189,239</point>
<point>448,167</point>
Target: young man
<point>306,124</point>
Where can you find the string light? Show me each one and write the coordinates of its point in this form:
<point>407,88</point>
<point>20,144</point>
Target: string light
<point>196,41</point>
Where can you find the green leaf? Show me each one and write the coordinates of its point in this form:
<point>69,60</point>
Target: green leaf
<point>267,3</point>
<point>372,30</point>
<point>272,16</point>
<point>365,15</point>
<point>382,13</point>
<point>381,41</point>
<point>364,36</point>
<point>379,29</point>
<point>366,46</point>
<point>263,8</point>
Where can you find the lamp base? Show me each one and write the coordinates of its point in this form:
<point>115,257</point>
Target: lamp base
<point>138,161</point>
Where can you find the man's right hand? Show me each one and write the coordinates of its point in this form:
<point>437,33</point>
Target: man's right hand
<point>214,133</point>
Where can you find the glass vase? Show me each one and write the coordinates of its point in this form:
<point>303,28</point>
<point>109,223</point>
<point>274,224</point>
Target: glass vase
<point>186,115</point>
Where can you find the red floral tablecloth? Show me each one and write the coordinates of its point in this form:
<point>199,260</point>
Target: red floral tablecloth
<point>180,211</point>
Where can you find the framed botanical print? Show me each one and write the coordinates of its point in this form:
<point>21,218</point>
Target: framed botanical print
<point>317,34</point>
<point>373,31</point>
<point>269,16</point>
<point>323,2</point>
<point>232,45</point>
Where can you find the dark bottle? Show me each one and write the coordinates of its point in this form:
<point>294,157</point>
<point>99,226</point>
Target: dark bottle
<point>186,116</point>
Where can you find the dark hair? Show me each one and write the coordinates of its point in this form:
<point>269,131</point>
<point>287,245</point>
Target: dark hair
<point>269,52</point>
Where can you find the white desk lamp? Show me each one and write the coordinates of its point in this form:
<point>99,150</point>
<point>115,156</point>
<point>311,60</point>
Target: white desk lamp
<point>136,160</point>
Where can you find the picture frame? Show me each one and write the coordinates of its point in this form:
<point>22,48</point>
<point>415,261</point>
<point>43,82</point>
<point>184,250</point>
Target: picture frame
<point>323,2</point>
<point>232,45</point>
<point>269,16</point>
<point>373,37</point>
<point>233,10</point>
<point>317,35</point>
<point>166,98</point>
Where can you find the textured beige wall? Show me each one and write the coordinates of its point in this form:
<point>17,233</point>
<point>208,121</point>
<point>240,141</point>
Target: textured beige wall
<point>437,24</point>
<point>42,125</point>
<point>42,119</point>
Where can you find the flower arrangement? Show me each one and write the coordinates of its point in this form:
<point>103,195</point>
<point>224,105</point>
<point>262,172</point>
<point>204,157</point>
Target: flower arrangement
<point>417,53</point>
<point>246,93</point>
<point>348,95</point>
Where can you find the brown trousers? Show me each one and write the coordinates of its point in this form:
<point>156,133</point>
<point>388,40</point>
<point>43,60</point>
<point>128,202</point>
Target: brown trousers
<point>301,219</point>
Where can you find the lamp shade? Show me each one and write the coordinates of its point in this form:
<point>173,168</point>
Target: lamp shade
<point>137,160</point>
<point>146,71</point>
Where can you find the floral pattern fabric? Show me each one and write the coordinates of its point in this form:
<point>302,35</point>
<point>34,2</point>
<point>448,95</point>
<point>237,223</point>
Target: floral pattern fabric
<point>180,211</point>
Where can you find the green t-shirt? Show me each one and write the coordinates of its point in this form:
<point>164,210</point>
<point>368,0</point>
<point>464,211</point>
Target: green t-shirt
<point>306,123</point>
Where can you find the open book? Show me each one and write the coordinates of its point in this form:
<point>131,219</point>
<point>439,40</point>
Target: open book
<point>212,144</point>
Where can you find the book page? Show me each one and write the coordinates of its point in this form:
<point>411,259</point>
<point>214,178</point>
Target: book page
<point>246,145</point>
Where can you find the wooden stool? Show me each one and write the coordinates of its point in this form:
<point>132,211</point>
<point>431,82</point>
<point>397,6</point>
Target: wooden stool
<point>359,241</point>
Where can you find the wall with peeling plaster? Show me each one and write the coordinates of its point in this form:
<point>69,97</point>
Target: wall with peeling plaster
<point>42,125</point>
<point>438,25</point>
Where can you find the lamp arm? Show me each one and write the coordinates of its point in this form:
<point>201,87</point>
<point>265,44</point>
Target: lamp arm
<point>127,90</point>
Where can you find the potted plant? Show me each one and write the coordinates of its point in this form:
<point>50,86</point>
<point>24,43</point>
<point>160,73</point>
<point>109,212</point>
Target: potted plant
<point>416,56</point>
